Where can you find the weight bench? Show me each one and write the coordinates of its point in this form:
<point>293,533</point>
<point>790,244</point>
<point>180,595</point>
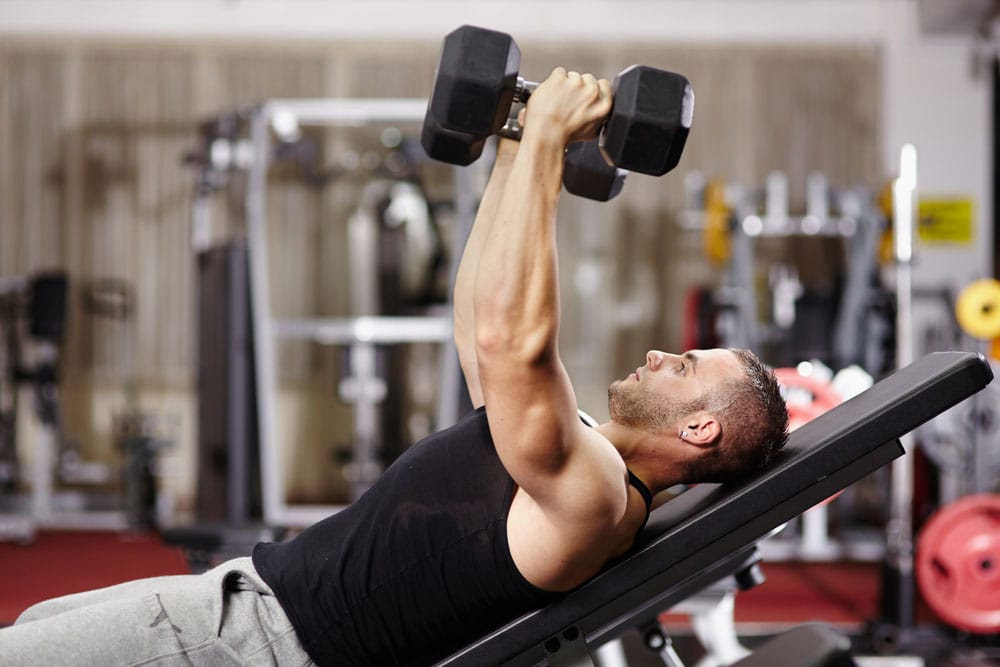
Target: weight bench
<point>710,531</point>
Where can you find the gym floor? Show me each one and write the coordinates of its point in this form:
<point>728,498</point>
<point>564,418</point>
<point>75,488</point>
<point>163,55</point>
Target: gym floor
<point>844,594</point>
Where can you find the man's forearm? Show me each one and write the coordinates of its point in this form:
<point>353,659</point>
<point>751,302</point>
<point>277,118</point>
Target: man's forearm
<point>465,277</point>
<point>516,287</point>
<point>517,281</point>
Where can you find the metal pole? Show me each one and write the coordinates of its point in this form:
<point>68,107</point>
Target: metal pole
<point>271,479</point>
<point>369,390</point>
<point>899,531</point>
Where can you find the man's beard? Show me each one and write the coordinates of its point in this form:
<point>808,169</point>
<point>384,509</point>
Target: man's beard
<point>637,409</point>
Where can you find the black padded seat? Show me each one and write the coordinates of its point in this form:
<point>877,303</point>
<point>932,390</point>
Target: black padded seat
<point>710,531</point>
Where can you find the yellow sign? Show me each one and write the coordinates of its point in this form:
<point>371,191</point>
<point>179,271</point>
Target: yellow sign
<point>945,220</point>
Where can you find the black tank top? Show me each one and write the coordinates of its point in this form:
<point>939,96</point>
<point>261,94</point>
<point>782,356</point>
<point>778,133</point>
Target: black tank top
<point>414,569</point>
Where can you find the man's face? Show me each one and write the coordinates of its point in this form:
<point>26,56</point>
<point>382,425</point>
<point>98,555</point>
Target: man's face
<point>668,387</point>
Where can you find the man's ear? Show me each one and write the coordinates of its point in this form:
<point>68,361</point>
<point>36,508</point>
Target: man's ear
<point>701,429</point>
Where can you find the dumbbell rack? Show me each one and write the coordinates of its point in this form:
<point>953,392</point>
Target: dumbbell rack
<point>362,333</point>
<point>859,224</point>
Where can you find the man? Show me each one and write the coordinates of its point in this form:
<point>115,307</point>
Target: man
<point>516,504</point>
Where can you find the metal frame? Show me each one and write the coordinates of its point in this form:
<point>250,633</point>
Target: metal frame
<point>899,529</point>
<point>44,507</point>
<point>362,332</point>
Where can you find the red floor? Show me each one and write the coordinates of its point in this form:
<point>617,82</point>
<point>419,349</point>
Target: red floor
<point>841,594</point>
<point>57,563</point>
<point>68,562</point>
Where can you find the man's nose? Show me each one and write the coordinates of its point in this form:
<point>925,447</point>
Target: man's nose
<point>654,358</point>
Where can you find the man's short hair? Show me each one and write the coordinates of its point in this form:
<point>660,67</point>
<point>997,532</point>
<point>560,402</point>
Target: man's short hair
<point>754,420</point>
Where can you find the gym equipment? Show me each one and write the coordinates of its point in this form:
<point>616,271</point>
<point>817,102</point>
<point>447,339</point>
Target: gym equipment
<point>251,146</point>
<point>711,531</point>
<point>241,485</point>
<point>807,397</point>
<point>842,327</point>
<point>33,321</point>
<point>138,433</point>
<point>717,220</point>
<point>586,173</point>
<point>810,644</point>
<point>228,479</point>
<point>978,309</point>
<point>477,81</point>
<point>898,583</point>
<point>227,500</point>
<point>958,563</point>
<point>962,441</point>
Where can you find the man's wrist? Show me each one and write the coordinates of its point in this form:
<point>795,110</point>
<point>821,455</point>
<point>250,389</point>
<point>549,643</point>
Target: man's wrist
<point>544,138</point>
<point>506,150</point>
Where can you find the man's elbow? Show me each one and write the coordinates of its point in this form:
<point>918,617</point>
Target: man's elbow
<point>504,347</point>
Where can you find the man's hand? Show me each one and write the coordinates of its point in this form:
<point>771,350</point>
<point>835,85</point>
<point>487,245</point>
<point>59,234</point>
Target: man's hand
<point>567,107</point>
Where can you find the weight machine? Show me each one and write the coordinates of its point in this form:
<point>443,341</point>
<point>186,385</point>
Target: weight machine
<point>32,324</point>
<point>253,142</point>
<point>751,216</point>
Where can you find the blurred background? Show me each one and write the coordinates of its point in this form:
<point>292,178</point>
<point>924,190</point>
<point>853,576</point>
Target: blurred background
<point>225,259</point>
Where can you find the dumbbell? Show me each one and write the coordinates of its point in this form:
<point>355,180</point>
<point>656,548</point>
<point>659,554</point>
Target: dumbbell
<point>585,173</point>
<point>477,81</point>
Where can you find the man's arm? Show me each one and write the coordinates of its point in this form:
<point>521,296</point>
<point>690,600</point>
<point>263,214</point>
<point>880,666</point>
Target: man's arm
<point>465,277</point>
<point>529,400</point>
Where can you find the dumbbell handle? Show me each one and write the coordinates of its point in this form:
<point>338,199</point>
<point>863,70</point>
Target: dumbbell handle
<point>523,89</point>
<point>522,93</point>
<point>511,129</point>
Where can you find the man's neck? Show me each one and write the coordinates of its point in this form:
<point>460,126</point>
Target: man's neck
<point>647,455</point>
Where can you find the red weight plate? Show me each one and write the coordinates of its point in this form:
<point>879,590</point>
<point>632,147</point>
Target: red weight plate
<point>958,563</point>
<point>807,398</point>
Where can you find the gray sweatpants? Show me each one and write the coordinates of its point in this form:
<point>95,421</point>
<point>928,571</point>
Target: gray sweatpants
<point>226,616</point>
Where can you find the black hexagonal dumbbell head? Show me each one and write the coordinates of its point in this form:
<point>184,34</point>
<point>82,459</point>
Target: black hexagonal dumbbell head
<point>587,174</point>
<point>649,123</point>
<point>450,146</point>
<point>475,80</point>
